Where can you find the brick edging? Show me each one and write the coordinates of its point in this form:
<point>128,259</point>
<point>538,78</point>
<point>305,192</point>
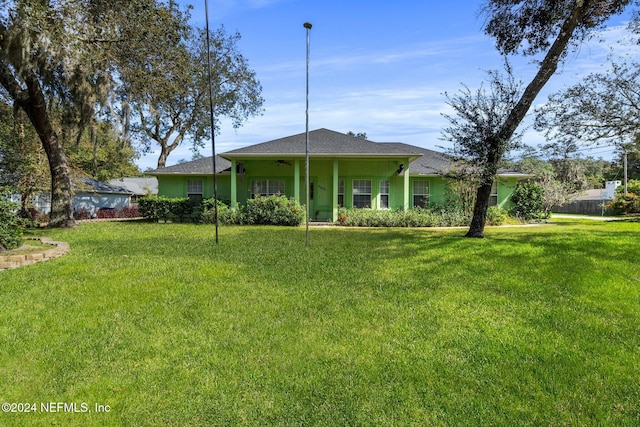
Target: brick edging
<point>13,261</point>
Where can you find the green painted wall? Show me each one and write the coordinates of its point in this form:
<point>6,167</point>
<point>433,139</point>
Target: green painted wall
<point>321,176</point>
<point>176,185</point>
<point>506,187</point>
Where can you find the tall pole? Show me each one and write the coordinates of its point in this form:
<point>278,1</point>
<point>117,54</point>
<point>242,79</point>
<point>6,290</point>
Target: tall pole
<point>307,25</point>
<point>213,127</point>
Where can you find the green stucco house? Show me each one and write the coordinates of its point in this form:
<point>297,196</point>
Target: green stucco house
<point>344,171</point>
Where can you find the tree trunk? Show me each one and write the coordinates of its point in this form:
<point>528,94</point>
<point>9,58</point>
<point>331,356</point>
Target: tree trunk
<point>162,159</point>
<point>476,229</point>
<point>33,103</point>
<point>61,210</point>
<point>166,148</point>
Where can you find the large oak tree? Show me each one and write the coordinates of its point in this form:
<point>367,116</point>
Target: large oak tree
<point>57,55</point>
<point>550,28</point>
<point>61,61</point>
<point>170,98</point>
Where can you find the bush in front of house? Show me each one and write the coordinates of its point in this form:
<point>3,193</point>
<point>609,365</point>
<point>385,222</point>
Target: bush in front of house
<point>496,215</point>
<point>147,208</point>
<point>226,215</point>
<point>107,213</point>
<point>528,202</point>
<point>125,212</point>
<point>625,205</point>
<point>11,226</point>
<point>271,210</point>
<point>416,217</point>
<point>181,208</point>
<point>165,208</point>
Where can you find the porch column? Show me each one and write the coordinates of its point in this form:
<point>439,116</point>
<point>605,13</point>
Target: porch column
<point>406,185</point>
<point>234,192</point>
<point>296,180</point>
<point>334,194</point>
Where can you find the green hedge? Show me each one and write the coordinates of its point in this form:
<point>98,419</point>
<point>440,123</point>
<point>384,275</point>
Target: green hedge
<point>417,217</point>
<point>166,208</point>
<point>272,210</point>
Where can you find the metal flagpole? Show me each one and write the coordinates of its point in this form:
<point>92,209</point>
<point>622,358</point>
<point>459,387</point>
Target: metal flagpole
<point>213,127</point>
<point>307,25</point>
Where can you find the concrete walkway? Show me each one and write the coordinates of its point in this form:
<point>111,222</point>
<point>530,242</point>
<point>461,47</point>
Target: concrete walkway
<point>594,218</point>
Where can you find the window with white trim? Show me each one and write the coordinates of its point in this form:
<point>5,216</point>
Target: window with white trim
<point>420,194</point>
<point>194,189</point>
<point>493,198</point>
<point>267,187</point>
<point>341,193</point>
<point>384,194</point>
<point>361,193</point>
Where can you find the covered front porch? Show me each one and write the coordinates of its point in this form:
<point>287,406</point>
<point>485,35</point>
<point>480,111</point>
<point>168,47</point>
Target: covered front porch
<point>333,182</point>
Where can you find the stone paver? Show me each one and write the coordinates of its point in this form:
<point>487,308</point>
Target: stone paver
<point>58,249</point>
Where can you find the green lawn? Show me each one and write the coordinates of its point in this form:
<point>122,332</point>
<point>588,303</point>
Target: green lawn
<point>529,326</point>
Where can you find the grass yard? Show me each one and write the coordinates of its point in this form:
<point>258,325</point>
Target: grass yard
<point>529,326</point>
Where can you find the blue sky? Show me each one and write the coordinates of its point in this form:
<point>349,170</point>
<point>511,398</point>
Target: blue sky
<point>377,67</point>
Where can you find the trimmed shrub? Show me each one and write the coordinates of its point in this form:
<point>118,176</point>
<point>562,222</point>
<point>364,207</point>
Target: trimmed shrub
<point>107,213</point>
<point>225,214</point>
<point>165,208</point>
<point>417,217</point>
<point>181,207</point>
<point>272,210</point>
<point>496,215</point>
<point>528,200</point>
<point>147,208</point>
<point>128,212</point>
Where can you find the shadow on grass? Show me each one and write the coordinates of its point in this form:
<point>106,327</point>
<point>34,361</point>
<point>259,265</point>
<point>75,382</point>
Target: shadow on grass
<point>391,319</point>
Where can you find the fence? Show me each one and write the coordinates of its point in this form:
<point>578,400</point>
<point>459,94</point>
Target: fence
<point>587,207</point>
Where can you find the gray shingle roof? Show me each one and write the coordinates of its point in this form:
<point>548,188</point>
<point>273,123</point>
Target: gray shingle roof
<point>90,185</point>
<point>203,166</point>
<point>430,163</point>
<point>325,143</point>
<point>322,142</point>
<point>140,186</point>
